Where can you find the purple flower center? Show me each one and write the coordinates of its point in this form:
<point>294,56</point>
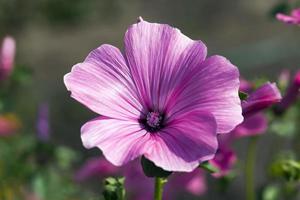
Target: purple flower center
<point>153,121</point>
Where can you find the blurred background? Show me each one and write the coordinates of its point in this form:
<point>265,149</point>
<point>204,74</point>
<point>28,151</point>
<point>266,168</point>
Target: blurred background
<point>53,35</point>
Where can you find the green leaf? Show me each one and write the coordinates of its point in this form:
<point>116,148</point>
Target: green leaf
<point>151,170</point>
<point>280,8</point>
<point>208,167</point>
<point>243,96</point>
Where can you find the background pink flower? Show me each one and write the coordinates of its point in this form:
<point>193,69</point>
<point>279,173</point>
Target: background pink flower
<point>7,56</point>
<point>9,124</point>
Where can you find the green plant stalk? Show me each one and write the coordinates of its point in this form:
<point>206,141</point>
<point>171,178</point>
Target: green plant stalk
<point>249,169</point>
<point>158,188</point>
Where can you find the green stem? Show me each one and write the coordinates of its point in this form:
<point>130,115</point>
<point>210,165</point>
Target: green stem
<point>158,188</point>
<point>250,164</point>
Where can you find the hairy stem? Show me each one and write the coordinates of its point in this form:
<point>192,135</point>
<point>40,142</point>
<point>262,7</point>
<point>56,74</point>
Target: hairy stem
<point>158,188</point>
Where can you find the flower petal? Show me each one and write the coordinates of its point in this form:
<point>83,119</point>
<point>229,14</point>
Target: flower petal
<point>296,13</point>
<point>120,141</point>
<point>158,55</point>
<point>103,84</point>
<point>184,143</point>
<point>212,87</point>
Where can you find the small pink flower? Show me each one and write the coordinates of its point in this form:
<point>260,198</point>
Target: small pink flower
<point>293,18</point>
<point>7,56</point>
<point>161,98</point>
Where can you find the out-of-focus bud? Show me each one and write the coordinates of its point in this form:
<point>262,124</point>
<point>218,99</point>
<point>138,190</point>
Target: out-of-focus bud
<point>42,126</point>
<point>7,56</point>
<point>9,124</point>
<point>291,95</point>
<point>288,169</point>
<point>245,86</point>
<point>284,79</point>
<point>224,161</point>
<point>114,189</point>
<point>262,98</point>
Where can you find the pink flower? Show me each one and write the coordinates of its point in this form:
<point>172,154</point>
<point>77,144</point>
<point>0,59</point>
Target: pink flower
<point>9,124</point>
<point>291,95</point>
<point>7,56</point>
<point>161,98</point>
<point>293,18</point>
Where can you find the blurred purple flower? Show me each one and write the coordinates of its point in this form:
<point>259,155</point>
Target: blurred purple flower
<point>96,167</point>
<point>245,86</point>
<point>262,98</point>
<point>193,183</point>
<point>293,18</point>
<point>253,125</point>
<point>224,161</point>
<point>284,78</point>
<point>155,97</point>
<point>42,126</point>
<point>291,95</point>
<point>7,56</point>
<point>138,186</point>
<point>9,124</point>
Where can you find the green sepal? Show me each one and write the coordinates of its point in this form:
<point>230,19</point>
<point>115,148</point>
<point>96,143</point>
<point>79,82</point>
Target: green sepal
<point>151,170</point>
<point>243,96</point>
<point>208,167</point>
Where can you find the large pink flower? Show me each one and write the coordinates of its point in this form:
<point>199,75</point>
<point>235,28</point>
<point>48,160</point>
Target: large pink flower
<point>162,98</point>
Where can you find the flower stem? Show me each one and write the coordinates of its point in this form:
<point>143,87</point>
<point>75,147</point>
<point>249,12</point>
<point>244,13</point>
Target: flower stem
<point>158,188</point>
<point>249,169</point>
